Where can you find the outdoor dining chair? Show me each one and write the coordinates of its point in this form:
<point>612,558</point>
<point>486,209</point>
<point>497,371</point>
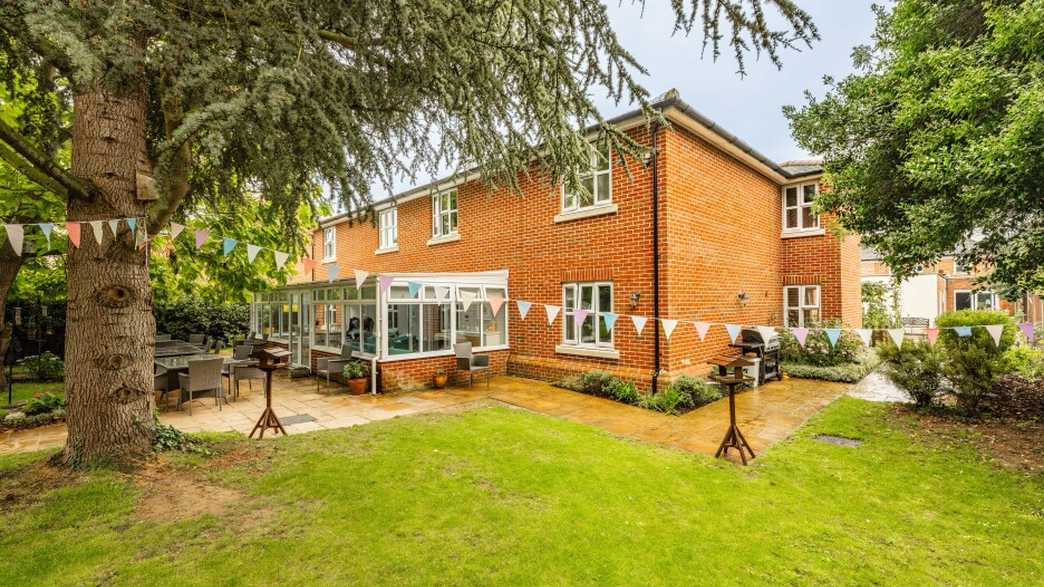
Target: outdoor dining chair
<point>471,363</point>
<point>326,366</point>
<point>162,338</point>
<point>197,339</point>
<point>162,382</point>
<point>248,373</point>
<point>203,375</point>
<point>240,352</point>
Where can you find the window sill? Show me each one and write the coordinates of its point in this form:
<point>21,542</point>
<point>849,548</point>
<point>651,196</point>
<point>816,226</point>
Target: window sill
<point>579,351</point>
<point>326,349</point>
<point>591,212</point>
<point>438,240</point>
<point>329,259</point>
<point>801,233</point>
<point>394,249</point>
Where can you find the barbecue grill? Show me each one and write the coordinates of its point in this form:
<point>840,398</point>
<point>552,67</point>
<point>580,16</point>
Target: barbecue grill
<point>766,348</point>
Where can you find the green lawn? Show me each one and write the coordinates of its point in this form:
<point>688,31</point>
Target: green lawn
<point>497,495</point>
<point>23,391</point>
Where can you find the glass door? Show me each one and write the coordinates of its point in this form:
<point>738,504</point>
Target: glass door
<point>301,335</point>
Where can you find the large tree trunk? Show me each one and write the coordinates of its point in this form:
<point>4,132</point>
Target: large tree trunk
<point>109,324</point>
<point>10,263</point>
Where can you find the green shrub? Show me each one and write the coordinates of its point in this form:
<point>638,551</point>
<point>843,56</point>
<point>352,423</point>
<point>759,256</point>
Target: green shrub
<point>669,401</point>
<point>354,370</point>
<point>974,362</point>
<point>594,382</point>
<point>817,350</point>
<point>1025,361</point>
<point>571,382</point>
<point>696,391</point>
<point>43,403</point>
<point>916,368</point>
<point>44,367</point>
<point>621,391</point>
<point>169,438</point>
<point>192,315</point>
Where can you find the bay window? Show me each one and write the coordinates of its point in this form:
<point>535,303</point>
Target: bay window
<point>596,299</point>
<point>801,305</point>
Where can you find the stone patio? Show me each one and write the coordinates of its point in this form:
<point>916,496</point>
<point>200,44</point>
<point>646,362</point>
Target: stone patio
<point>767,414</point>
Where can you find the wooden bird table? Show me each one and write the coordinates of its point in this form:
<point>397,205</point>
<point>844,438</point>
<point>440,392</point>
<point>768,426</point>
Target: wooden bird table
<point>733,437</point>
<point>269,360</point>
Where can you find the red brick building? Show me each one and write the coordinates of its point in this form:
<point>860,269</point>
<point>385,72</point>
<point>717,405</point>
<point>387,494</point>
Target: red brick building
<point>727,234</point>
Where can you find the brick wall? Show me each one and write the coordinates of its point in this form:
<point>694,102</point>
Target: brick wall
<point>830,261</point>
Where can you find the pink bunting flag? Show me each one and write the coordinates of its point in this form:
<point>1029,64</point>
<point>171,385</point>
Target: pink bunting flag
<point>73,228</point>
<point>932,334</point>
<point>495,299</point>
<point>579,316</point>
<point>201,237</point>
<point>801,334</point>
<point>309,264</point>
<point>175,229</point>
<point>701,329</point>
<point>1027,331</point>
<point>384,282</point>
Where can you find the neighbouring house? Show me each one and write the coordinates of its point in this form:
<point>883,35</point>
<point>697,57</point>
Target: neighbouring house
<point>946,286</point>
<point>706,229</point>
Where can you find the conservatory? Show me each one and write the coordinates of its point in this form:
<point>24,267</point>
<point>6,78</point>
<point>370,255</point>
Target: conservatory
<point>415,315</point>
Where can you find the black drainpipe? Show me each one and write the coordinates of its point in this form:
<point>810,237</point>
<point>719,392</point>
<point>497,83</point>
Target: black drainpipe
<point>656,257</point>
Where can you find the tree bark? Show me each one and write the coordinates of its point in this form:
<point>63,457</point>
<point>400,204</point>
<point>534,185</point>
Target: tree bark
<point>110,325</point>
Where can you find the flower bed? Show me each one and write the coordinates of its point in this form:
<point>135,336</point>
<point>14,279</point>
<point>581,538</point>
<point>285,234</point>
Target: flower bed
<point>849,372</point>
<point>684,394</point>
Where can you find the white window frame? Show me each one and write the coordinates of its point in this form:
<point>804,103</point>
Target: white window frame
<point>570,202</point>
<point>437,212</point>
<point>330,243</point>
<point>802,306</point>
<point>800,205</point>
<point>974,295</point>
<point>960,269</point>
<point>388,229</point>
<point>596,312</point>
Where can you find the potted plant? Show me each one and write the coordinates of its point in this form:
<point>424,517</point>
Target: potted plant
<point>355,373</point>
<point>439,379</point>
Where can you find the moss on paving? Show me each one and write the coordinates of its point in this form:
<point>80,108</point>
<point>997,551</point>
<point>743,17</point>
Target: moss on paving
<point>502,495</point>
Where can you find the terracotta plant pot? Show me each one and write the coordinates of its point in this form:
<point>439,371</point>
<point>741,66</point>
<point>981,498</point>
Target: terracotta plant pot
<point>439,380</point>
<point>357,386</point>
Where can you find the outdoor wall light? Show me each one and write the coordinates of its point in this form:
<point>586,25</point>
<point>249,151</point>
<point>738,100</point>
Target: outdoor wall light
<point>635,296</point>
<point>743,297</point>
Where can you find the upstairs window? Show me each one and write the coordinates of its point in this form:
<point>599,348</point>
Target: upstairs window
<point>444,214</point>
<point>597,183</point>
<point>329,243</point>
<point>798,214</point>
<point>801,303</point>
<point>388,227</point>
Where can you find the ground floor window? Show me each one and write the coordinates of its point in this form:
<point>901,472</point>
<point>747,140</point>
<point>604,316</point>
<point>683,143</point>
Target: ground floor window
<point>477,323</point>
<point>418,327</point>
<point>595,299</point>
<point>974,300</point>
<point>801,305</point>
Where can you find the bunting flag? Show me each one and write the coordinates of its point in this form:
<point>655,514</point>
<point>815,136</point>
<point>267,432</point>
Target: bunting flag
<point>639,323</point>
<point>766,332</point>
<point>132,224</point>
<point>466,298</point>
<point>175,230</point>
<point>801,334</point>
<point>73,228</point>
<point>579,316</point>
<point>523,308</point>
<point>360,278</point>
<point>201,237</point>
<point>609,319</point>
<point>114,225</point>
<point>280,258</point>
<point>865,335</point>
<point>495,299</point>
<point>897,335</point>
<point>442,292</point>
<point>15,236</point>
<point>962,331</point>
<point>141,237</point>
<point>384,282</point>
<point>832,335</point>
<point>668,327</point>
<point>995,331</point>
<point>1027,331</point>
<point>331,272</point>
<point>733,330</point>
<point>252,251</point>
<point>414,288</point>
<point>552,313</point>
<point>227,245</point>
<point>47,227</point>
<point>701,329</point>
<point>96,227</point>
<point>932,334</point>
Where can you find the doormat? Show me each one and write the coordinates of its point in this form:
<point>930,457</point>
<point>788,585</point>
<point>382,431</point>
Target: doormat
<point>296,419</point>
<point>838,440</point>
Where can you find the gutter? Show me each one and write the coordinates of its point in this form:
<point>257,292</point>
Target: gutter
<point>656,256</point>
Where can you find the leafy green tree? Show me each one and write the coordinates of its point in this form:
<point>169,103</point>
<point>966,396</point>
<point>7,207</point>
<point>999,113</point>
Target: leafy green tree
<point>222,99</point>
<point>936,144</point>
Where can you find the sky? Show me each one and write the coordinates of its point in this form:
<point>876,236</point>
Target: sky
<point>748,107</point>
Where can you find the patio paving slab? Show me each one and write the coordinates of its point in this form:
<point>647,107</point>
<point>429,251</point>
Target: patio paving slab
<point>766,415</point>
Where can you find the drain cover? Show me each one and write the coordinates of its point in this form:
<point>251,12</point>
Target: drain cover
<point>296,419</point>
<point>838,440</point>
